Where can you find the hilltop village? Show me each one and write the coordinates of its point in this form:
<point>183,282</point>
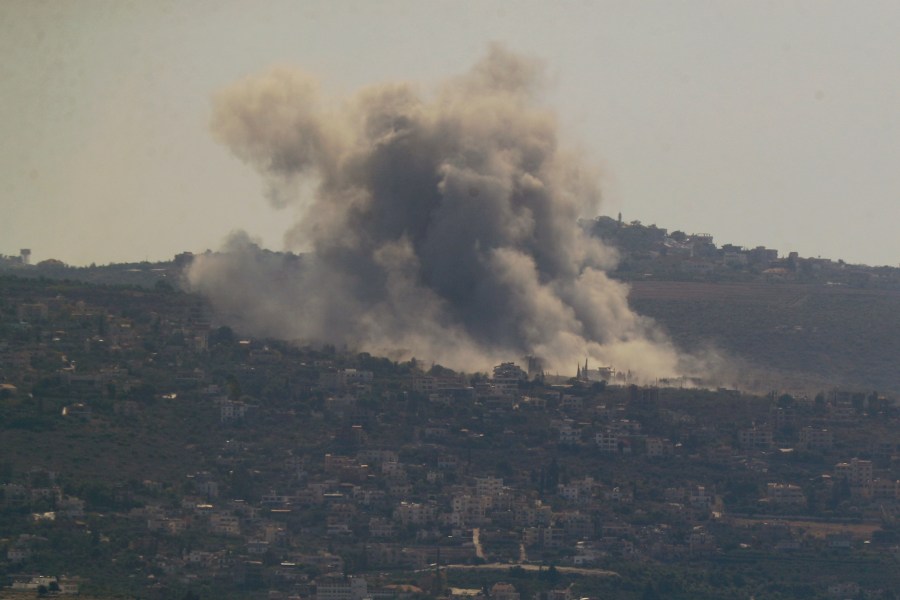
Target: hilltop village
<point>645,252</point>
<point>648,252</point>
<point>150,453</point>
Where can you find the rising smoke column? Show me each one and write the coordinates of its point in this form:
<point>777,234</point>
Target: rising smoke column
<point>441,225</point>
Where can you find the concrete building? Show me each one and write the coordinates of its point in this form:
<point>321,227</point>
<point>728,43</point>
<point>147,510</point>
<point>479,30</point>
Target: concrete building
<point>813,438</point>
<point>341,588</point>
<point>785,494</point>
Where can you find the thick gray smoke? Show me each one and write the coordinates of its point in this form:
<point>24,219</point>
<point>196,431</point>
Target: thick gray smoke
<point>440,225</point>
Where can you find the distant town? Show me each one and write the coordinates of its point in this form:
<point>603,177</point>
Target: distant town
<point>150,453</point>
<point>648,252</point>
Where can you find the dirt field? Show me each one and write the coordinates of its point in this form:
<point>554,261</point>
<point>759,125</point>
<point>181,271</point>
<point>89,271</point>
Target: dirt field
<point>529,567</point>
<point>815,529</point>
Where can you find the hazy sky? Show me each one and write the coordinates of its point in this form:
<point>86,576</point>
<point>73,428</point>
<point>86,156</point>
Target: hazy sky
<point>762,123</point>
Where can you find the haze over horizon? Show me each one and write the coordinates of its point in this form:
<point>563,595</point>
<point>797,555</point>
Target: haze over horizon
<point>762,124</point>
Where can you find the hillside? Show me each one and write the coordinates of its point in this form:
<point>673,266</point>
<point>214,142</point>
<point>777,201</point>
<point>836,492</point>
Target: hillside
<point>827,335</point>
<point>149,453</point>
<point>807,323</point>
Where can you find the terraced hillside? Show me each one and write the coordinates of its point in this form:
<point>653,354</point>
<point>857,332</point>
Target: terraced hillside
<point>826,335</point>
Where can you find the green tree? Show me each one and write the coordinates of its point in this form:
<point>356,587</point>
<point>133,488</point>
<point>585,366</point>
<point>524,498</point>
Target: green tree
<point>785,401</point>
<point>234,389</point>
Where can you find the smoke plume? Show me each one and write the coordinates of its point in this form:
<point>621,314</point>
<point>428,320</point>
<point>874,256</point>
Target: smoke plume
<point>441,225</point>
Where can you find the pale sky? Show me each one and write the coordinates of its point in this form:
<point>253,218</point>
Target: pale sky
<point>762,123</point>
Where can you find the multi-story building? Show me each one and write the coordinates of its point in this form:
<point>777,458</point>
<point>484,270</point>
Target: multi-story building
<point>341,588</point>
<point>755,438</point>
<point>701,497</point>
<point>224,523</point>
<point>488,486</point>
<point>607,441</point>
<point>813,438</point>
<point>785,494</point>
<point>414,513</point>
<point>858,474</point>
